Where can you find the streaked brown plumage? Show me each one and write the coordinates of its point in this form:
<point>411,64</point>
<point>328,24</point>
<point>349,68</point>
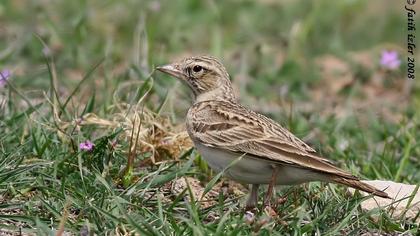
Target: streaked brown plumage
<point>223,130</point>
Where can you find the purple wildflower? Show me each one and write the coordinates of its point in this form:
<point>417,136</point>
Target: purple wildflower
<point>46,51</point>
<point>390,60</point>
<point>4,76</point>
<point>249,217</point>
<point>86,145</point>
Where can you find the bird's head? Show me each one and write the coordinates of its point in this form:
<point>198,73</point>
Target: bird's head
<point>205,75</point>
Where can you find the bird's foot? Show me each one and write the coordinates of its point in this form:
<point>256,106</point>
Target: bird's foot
<point>281,201</point>
<point>251,207</point>
<point>270,211</point>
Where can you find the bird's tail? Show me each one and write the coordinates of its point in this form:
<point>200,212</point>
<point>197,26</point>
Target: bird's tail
<point>357,184</point>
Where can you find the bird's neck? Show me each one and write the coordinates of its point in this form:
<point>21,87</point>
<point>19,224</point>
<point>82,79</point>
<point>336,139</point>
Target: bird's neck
<point>218,94</point>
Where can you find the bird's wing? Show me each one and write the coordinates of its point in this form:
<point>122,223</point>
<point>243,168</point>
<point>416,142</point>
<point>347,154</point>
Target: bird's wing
<point>232,127</point>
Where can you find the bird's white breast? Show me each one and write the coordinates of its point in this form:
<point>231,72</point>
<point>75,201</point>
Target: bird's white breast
<point>252,170</point>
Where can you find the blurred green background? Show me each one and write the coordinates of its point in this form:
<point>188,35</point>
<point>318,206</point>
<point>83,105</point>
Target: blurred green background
<point>276,41</point>
<point>314,66</point>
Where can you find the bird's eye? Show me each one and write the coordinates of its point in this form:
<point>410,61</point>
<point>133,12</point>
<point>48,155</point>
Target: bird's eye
<point>197,68</point>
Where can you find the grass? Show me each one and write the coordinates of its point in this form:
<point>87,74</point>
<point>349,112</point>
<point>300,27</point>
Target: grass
<point>96,82</point>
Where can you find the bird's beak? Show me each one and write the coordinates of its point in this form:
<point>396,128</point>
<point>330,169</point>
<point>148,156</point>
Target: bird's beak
<point>171,69</point>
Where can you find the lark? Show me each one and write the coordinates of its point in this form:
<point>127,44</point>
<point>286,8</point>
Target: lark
<point>249,147</point>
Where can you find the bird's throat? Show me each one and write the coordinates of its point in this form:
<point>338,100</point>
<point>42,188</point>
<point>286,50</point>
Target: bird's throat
<point>218,94</point>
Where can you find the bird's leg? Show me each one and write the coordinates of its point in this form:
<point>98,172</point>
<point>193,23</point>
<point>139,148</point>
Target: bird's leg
<point>252,201</point>
<point>268,196</point>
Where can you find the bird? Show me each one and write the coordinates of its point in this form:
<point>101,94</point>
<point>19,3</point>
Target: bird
<point>248,147</point>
